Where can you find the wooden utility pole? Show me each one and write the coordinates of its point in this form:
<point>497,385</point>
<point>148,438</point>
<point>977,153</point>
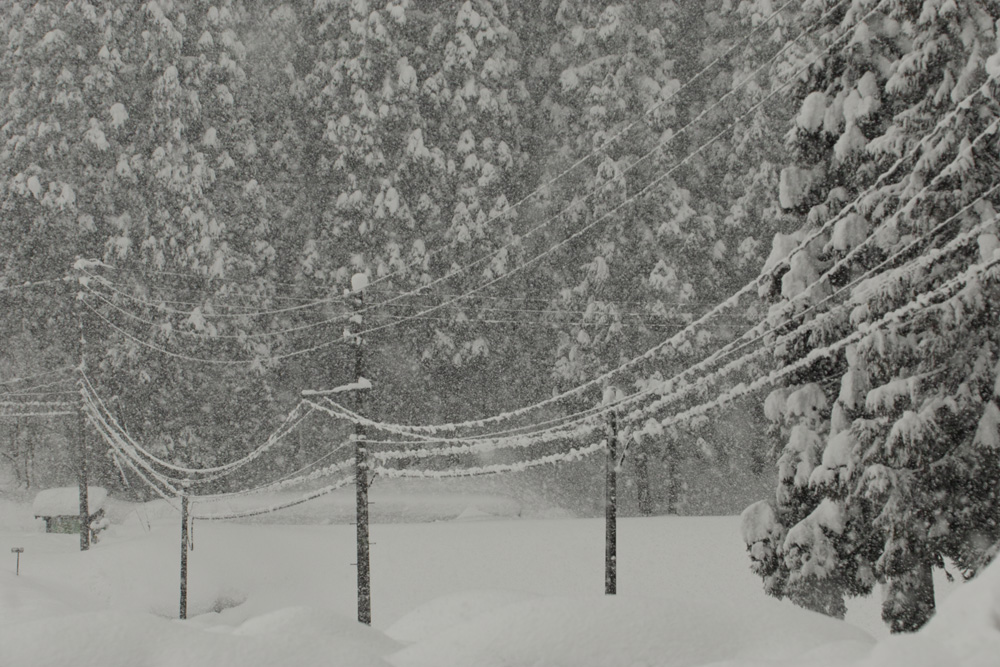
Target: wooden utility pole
<point>611,500</point>
<point>184,550</point>
<point>81,436</point>
<point>358,284</point>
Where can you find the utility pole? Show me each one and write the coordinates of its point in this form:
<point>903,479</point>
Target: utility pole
<point>81,435</point>
<point>358,284</point>
<point>611,497</point>
<point>184,549</point>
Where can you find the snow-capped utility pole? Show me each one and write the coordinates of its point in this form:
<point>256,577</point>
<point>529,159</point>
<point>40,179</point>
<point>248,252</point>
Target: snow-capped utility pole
<point>81,435</point>
<point>185,485</point>
<point>359,282</point>
<point>611,395</point>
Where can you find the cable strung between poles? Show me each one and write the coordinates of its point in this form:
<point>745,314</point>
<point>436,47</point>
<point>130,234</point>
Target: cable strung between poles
<point>479,444</point>
<point>676,339</point>
<point>276,436</point>
<point>921,301</point>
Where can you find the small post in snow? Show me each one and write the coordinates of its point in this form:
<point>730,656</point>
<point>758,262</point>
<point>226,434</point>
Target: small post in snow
<point>611,395</point>
<point>18,551</point>
<point>184,549</point>
<point>359,282</point>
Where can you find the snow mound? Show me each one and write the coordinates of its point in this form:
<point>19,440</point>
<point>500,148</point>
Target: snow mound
<point>18,516</point>
<point>65,501</point>
<point>621,631</point>
<point>473,513</point>
<point>448,611</point>
<point>388,505</point>
<point>968,621</point>
<point>307,623</point>
<point>122,639</point>
<point>965,631</point>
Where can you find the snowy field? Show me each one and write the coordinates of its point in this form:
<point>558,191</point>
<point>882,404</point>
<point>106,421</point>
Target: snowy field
<point>473,585</point>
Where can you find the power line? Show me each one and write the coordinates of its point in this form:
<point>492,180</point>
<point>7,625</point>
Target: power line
<point>159,305</point>
<point>273,439</point>
<point>756,333</point>
<point>898,315</point>
<point>673,341</point>
<point>33,376</point>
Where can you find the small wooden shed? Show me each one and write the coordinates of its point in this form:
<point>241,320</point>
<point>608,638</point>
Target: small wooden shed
<point>60,507</point>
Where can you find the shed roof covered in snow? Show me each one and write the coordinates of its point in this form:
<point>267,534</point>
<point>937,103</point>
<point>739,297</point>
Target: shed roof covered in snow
<point>65,501</point>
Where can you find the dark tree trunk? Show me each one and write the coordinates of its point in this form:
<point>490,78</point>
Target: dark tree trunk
<point>361,472</point>
<point>909,599</point>
<point>672,494</point>
<point>645,495</point>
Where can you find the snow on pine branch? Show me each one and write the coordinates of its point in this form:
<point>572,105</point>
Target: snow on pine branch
<point>738,364</point>
<point>918,303</point>
<point>776,262</point>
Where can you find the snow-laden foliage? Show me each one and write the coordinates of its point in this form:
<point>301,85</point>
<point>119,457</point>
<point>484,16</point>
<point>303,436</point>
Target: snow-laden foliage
<point>900,472</point>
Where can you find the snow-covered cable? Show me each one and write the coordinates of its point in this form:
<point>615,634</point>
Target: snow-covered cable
<point>678,337</point>
<point>32,390</point>
<point>292,479</point>
<point>89,276</point>
<point>575,454</point>
<point>768,327</point>
<point>170,499</point>
<point>920,262</point>
<point>128,448</point>
<point>114,438</point>
<point>24,378</point>
<point>490,442</point>
<point>735,392</point>
<point>459,445</point>
<point>163,350</point>
<point>29,284</point>
<point>346,481</point>
<point>230,467</point>
<point>212,337</point>
<point>920,302</point>
<point>54,405</point>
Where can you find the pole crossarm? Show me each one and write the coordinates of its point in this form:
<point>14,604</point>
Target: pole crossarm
<point>36,408</point>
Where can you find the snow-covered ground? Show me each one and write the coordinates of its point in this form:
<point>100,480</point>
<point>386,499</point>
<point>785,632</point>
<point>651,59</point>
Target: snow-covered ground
<point>478,589</point>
